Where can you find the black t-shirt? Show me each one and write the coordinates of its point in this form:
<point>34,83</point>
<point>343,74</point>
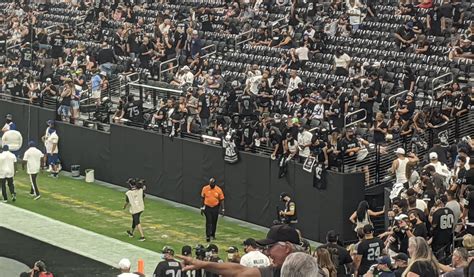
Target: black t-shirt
<point>424,268</point>
<point>134,111</point>
<point>405,34</point>
<point>205,112</point>
<point>469,205</point>
<point>442,226</point>
<point>379,137</point>
<point>168,268</point>
<point>411,109</point>
<point>339,256</point>
<point>462,102</point>
<point>133,43</point>
<point>247,104</point>
<point>365,102</point>
<point>206,23</point>
<point>57,42</point>
<point>275,139</point>
<point>435,20</point>
<point>317,150</point>
<point>348,144</point>
<point>106,55</point>
<point>298,94</point>
<point>370,249</point>
<point>117,45</point>
<point>420,230</point>
<point>144,58</point>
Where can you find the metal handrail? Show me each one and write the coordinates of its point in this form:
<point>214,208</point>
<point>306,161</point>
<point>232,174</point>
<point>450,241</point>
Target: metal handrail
<point>245,40</point>
<point>390,107</point>
<point>357,121</point>
<point>442,85</point>
<point>161,71</point>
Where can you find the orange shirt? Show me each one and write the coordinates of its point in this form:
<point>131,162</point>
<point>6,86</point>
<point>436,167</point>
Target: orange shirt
<point>212,197</point>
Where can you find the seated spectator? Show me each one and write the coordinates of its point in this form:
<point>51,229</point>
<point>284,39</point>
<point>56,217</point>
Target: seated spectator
<point>405,36</point>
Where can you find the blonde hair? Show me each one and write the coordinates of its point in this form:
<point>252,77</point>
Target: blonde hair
<point>422,253</point>
<point>325,261</point>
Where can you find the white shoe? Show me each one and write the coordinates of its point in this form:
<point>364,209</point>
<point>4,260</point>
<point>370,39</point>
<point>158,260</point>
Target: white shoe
<point>4,201</point>
<point>37,197</point>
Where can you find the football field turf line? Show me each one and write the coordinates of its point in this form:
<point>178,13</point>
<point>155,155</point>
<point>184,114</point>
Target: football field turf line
<point>99,209</point>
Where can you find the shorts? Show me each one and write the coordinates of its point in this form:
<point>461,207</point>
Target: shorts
<point>95,94</point>
<point>64,110</point>
<point>75,104</point>
<point>53,159</point>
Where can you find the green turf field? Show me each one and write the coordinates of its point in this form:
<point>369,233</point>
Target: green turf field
<point>99,209</point>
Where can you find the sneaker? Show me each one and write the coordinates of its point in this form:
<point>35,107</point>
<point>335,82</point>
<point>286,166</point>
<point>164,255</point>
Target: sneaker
<point>129,234</point>
<point>142,239</point>
<point>14,197</point>
<point>37,197</point>
<point>4,201</point>
<point>32,194</point>
<point>208,239</point>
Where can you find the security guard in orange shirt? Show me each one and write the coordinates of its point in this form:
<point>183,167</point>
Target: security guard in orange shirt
<point>212,199</point>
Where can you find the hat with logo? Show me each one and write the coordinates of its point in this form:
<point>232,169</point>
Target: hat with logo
<point>232,249</point>
<point>186,250</point>
<point>401,217</point>
<point>433,156</point>
<point>277,233</point>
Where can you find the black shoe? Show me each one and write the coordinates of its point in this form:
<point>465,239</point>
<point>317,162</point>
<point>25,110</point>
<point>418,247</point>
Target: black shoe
<point>129,234</point>
<point>208,239</point>
<point>14,197</point>
<point>213,237</point>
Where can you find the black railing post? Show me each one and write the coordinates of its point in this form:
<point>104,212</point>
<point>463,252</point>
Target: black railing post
<point>377,163</point>
<point>141,93</point>
<point>155,101</point>
<point>127,89</point>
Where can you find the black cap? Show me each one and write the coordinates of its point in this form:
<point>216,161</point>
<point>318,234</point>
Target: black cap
<point>167,250</point>
<point>281,233</point>
<point>250,242</point>
<point>368,229</point>
<point>186,250</point>
<point>213,248</point>
<point>401,257</point>
<point>232,249</point>
<point>331,236</point>
<point>284,194</point>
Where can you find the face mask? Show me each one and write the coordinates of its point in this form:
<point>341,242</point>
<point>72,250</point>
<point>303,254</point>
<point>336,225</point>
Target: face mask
<point>413,222</point>
<point>8,121</point>
<point>351,136</point>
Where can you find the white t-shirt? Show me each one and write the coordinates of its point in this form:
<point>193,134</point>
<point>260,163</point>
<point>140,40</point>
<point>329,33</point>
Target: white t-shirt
<point>356,17</point>
<point>342,61</point>
<point>33,157</point>
<point>293,83</point>
<point>50,140</point>
<point>304,138</point>
<point>188,78</point>
<point>255,259</point>
<point>7,164</point>
<point>302,53</point>
<point>421,205</point>
<point>128,274</point>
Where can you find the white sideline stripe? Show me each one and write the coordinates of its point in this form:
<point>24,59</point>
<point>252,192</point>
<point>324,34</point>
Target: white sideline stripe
<point>77,240</point>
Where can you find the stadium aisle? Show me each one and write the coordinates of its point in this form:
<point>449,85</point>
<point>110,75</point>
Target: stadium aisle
<point>101,248</point>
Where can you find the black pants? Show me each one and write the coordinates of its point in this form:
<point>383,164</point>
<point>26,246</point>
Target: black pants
<point>34,187</point>
<point>212,214</point>
<point>11,186</point>
<point>135,220</point>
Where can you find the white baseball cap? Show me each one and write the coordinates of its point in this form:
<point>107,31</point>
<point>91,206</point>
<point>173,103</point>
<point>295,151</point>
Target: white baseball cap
<point>433,155</point>
<point>124,264</point>
<point>401,217</point>
<point>400,151</point>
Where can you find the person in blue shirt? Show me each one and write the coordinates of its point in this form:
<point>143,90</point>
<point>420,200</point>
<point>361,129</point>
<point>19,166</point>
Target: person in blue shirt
<point>9,124</point>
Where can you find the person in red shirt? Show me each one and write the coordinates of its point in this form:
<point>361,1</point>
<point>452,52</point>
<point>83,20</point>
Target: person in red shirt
<point>212,200</point>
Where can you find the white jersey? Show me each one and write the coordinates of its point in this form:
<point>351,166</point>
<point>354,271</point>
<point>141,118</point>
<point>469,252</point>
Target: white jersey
<point>50,141</point>
<point>7,164</point>
<point>33,157</point>
<point>255,259</point>
<point>401,172</point>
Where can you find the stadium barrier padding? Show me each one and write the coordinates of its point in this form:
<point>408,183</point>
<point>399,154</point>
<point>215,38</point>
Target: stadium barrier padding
<point>176,169</point>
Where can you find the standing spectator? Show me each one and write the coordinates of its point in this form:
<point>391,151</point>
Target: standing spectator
<point>368,251</point>
<point>418,227</point>
<point>203,110</point>
<point>361,217</point>
<point>253,257</point>
<point>57,42</point>
<point>96,85</point>
<point>33,157</point>
<point>51,143</point>
<point>422,262</point>
<point>304,142</point>
<point>289,214</point>
<point>106,58</point>
<point>134,198</point>
<point>453,205</point>
<point>124,265</point>
<point>9,124</point>
<point>355,14</point>
<point>195,46</point>
<point>325,263</point>
<point>380,129</point>
<point>341,63</point>
<point>442,224</point>
<point>399,166</point>
<point>407,107</point>
<point>212,199</point>
<point>339,255</point>
<point>64,110</point>
<point>169,267</point>
<point>7,172</point>
<point>433,21</point>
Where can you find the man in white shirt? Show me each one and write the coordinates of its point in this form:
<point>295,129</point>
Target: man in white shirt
<point>304,142</point>
<point>52,151</point>
<point>124,266</point>
<point>440,167</point>
<point>33,158</point>
<point>7,172</point>
<point>302,53</point>
<point>253,257</point>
